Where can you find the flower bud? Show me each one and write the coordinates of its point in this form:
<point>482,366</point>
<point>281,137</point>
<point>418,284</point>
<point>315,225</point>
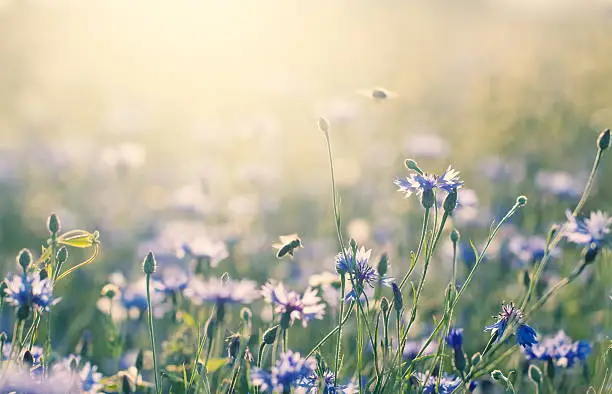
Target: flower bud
<point>476,357</point>
<point>450,202</point>
<point>24,259</point>
<point>149,264</point>
<point>3,337</point>
<point>521,201</point>
<point>110,291</point>
<point>498,376</point>
<point>28,359</point>
<point>126,388</point>
<point>269,335</point>
<point>246,314</point>
<point>23,312</point>
<point>43,274</point>
<point>535,374</point>
<point>384,305</point>
<point>323,125</point>
<point>139,363</point>
<point>590,253</point>
<point>62,255</point>
<point>412,165</point>
<point>383,265</point>
<point>53,224</point>
<point>603,141</point>
<point>459,359</point>
<point>427,198</point>
<point>455,236</point>
<point>550,369</point>
<point>398,302</point>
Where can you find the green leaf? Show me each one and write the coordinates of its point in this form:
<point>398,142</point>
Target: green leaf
<point>214,364</point>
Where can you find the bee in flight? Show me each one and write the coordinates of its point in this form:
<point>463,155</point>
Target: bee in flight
<point>287,245</point>
<point>378,94</point>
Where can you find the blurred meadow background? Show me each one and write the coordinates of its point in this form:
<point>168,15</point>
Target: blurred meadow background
<point>195,123</point>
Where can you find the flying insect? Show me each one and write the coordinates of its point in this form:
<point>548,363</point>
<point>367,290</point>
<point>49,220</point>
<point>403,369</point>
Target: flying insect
<point>287,246</point>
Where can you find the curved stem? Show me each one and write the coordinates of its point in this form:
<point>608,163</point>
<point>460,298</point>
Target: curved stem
<point>419,249</point>
<point>332,332</point>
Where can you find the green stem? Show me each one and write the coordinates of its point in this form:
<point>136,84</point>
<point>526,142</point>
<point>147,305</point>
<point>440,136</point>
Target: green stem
<point>340,322</point>
<point>151,332</point>
<point>420,247</point>
<point>332,332</point>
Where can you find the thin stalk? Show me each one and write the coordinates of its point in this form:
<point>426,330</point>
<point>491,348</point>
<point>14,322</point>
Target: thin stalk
<point>359,351</point>
<point>420,247</point>
<point>332,332</point>
<point>339,337</point>
<point>151,332</point>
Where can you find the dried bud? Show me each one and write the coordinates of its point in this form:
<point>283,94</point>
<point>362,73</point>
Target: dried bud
<point>149,264</point>
<point>603,141</point>
<point>24,259</point>
<point>53,224</point>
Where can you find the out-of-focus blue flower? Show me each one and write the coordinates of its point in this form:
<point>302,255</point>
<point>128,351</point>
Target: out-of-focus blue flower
<point>454,339</point>
<point>313,382</point>
<point>222,291</point>
<point>448,383</point>
<point>417,184</point>
<point>525,335</point>
<point>204,248</point>
<point>559,183</point>
<point>170,279</point>
<point>289,372</point>
<point>412,348</point>
<point>28,290</point>
<point>528,250</point>
<point>301,307</point>
<point>503,170</point>
<point>84,378</point>
<point>586,231</point>
<point>560,349</point>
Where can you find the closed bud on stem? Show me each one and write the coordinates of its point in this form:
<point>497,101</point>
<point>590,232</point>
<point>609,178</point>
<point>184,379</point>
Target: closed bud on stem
<point>383,265</point>
<point>139,363</point>
<point>521,201</point>
<point>455,236</point>
<point>384,305</point>
<point>125,385</point>
<point>23,312</point>
<point>24,258</point>
<point>43,274</point>
<point>535,375</point>
<point>603,141</point>
<point>269,335</point>
<point>450,202</point>
<point>28,359</point>
<point>476,357</point>
<point>590,253</point>
<point>398,302</point>
<point>53,224</point>
<point>109,291</point>
<point>459,359</point>
<point>323,125</point>
<point>149,264</point>
<point>498,376</point>
<point>353,244</point>
<point>62,255</point>
<point>246,314</point>
<point>412,165</point>
<point>3,337</point>
<point>428,199</point>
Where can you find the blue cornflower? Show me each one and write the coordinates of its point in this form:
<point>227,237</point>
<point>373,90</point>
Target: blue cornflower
<point>289,372</point>
<point>587,231</point>
<point>28,290</point>
<point>412,348</point>
<point>361,273</point>
<point>448,383</point>
<point>84,378</point>
<point>525,335</point>
<point>293,305</point>
<point>312,383</point>
<point>204,248</point>
<point>559,183</point>
<point>422,183</point>
<point>454,339</point>
<point>560,349</point>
